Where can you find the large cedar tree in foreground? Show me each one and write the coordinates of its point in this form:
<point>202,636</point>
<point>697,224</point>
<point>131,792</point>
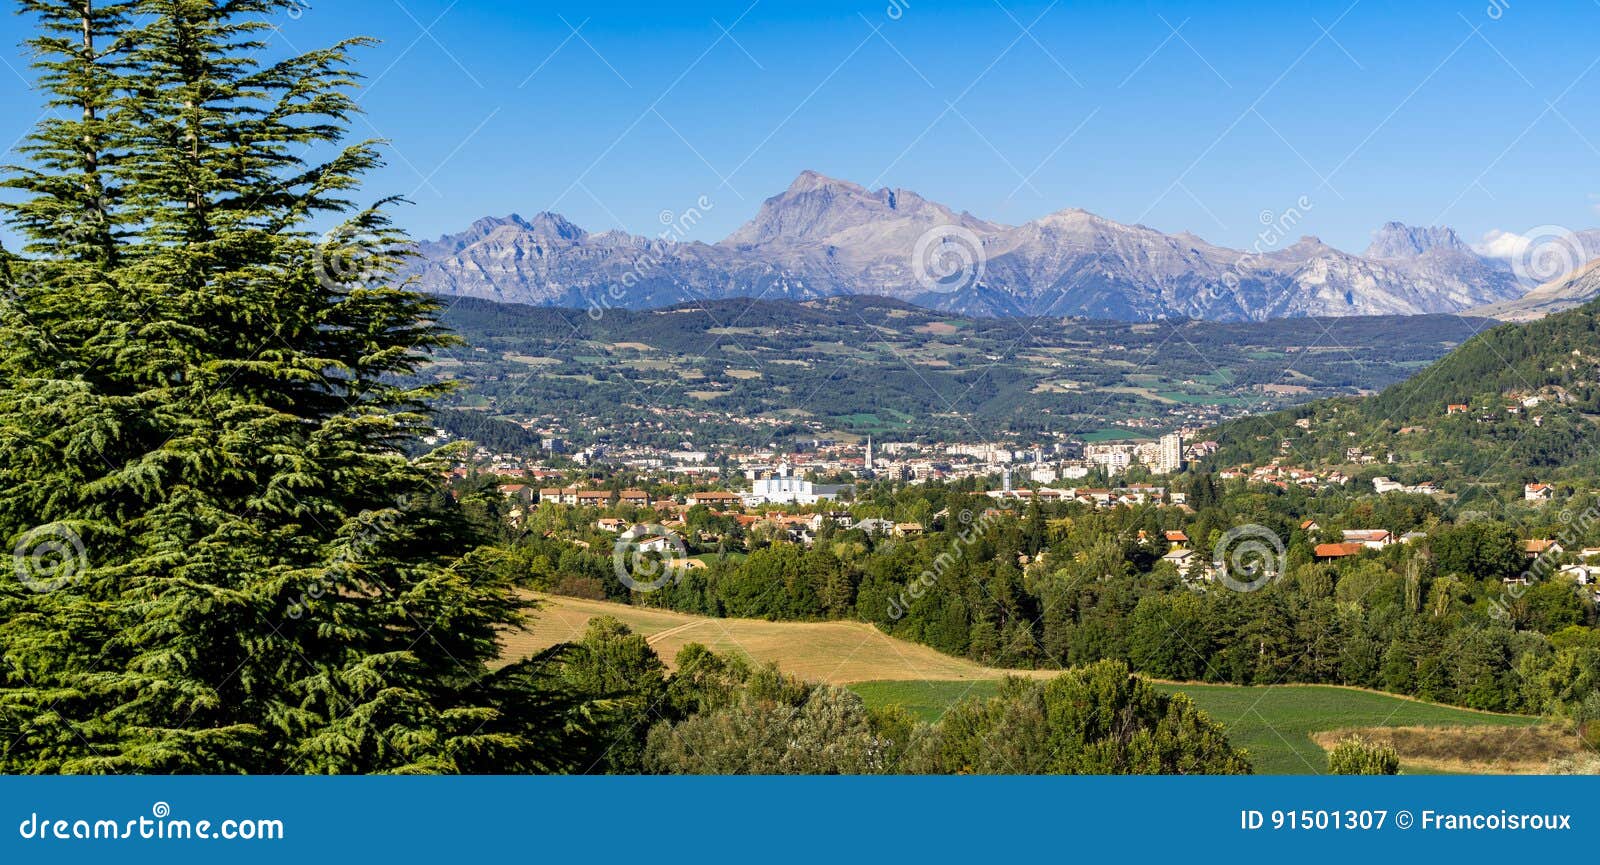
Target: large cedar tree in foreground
<point>226,563</point>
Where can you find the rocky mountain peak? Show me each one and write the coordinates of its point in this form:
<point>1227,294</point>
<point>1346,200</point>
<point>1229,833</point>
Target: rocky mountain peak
<point>817,209</point>
<point>1398,240</point>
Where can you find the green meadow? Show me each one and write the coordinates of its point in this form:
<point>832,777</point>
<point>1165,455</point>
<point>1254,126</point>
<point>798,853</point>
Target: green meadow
<point>1274,724</point>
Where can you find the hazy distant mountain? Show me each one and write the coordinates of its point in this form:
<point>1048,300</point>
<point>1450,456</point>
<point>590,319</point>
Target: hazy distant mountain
<point>824,237</point>
<point>1398,240</point>
<point>1573,290</point>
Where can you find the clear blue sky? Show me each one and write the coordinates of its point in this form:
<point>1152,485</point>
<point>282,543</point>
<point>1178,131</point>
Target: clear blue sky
<point>1480,114</point>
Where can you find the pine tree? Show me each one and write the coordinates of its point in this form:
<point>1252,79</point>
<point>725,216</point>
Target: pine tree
<point>259,578</point>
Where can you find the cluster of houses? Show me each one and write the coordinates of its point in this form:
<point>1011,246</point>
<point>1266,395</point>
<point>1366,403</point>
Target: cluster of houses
<point>1357,541</point>
<point>581,497</point>
<point>1519,405</point>
<point>1285,476</point>
<point>795,528</point>
<point>1382,486</point>
<point>1133,494</point>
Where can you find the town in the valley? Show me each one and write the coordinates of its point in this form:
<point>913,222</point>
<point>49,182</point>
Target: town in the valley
<point>645,497</point>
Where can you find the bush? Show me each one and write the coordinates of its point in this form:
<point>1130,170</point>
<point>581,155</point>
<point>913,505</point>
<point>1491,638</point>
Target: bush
<point>1094,720</point>
<point>1358,756</point>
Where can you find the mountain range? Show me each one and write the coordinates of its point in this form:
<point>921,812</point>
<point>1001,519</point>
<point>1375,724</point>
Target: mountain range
<point>824,237</point>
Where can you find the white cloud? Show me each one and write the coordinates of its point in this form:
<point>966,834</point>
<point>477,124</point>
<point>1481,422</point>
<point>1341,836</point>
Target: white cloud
<point>1501,244</point>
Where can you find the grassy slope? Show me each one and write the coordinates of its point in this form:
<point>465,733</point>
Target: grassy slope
<point>834,652</point>
<point>1273,724</point>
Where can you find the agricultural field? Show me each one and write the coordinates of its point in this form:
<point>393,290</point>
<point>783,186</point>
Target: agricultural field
<point>837,653</point>
<point>1284,728</point>
<point>889,369</point>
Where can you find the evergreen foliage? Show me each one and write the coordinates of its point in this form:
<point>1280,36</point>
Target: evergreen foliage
<point>203,426</point>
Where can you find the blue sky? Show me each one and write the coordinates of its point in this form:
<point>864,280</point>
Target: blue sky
<point>1478,114</point>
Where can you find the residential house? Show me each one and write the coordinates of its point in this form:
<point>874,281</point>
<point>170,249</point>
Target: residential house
<point>1540,547</point>
<point>1537,492</point>
<point>719,500</point>
<point>636,498</point>
<point>1338,551</point>
<point>520,492</point>
<point>1184,560</point>
<point>842,519</point>
<point>1372,539</point>
<point>564,496</point>
<point>1584,575</point>
<point>656,544</point>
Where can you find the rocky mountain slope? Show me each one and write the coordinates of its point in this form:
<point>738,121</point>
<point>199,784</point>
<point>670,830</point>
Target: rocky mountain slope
<point>823,237</point>
<point>1573,290</point>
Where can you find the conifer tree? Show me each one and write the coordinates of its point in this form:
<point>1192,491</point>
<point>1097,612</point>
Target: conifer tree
<point>206,413</point>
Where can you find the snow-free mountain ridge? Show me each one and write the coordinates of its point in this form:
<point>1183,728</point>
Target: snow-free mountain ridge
<point>823,237</point>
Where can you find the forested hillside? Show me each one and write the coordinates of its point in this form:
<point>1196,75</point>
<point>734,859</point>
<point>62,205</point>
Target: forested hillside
<point>1519,403</point>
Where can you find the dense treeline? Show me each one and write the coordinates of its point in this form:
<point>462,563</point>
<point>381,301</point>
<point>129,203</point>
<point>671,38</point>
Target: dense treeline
<point>1062,586</point>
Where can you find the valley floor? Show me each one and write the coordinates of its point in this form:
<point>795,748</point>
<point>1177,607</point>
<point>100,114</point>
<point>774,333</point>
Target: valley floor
<point>1285,727</point>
